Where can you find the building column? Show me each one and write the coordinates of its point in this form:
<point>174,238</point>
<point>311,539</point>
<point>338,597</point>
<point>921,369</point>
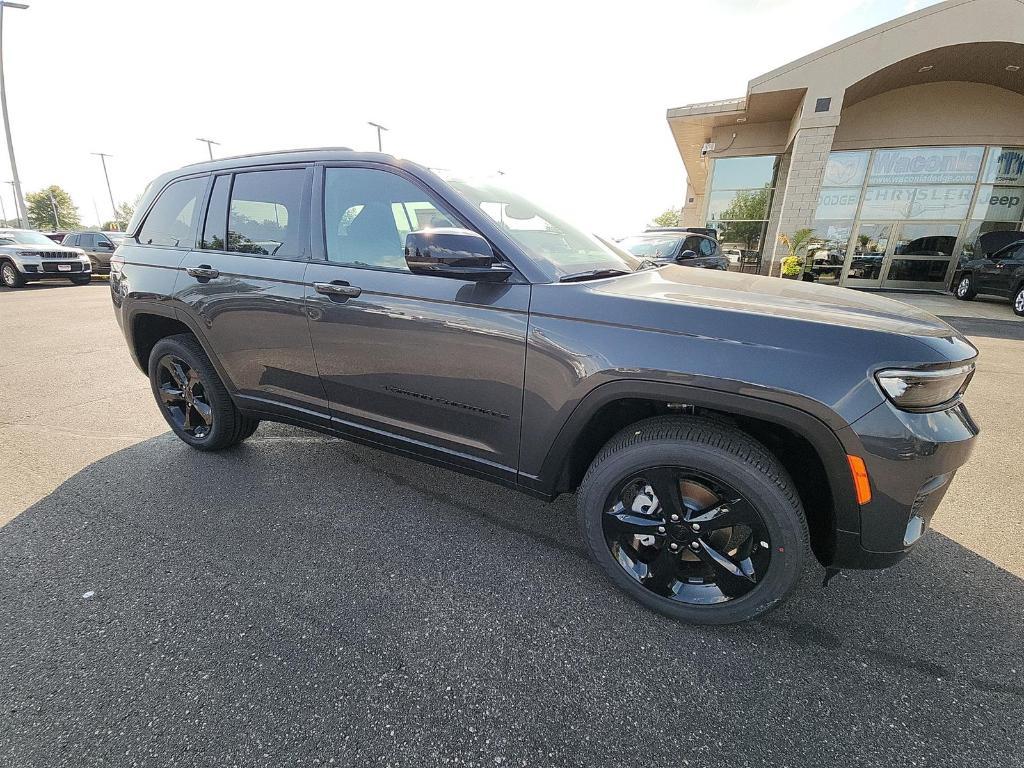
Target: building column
<point>796,195</point>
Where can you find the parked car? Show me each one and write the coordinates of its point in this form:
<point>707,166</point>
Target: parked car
<point>100,246</point>
<point>1001,274</point>
<point>717,428</point>
<point>27,256</point>
<point>690,249</point>
<point>57,237</point>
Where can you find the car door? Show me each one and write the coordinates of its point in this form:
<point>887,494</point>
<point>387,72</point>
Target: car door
<point>704,250</point>
<point>244,284</point>
<point>1011,271</point>
<point>432,364</point>
<point>992,274</point>
<point>102,249</point>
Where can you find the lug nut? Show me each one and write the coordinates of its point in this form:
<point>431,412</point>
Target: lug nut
<point>675,518</point>
<point>694,545</point>
<point>673,546</point>
<point>661,529</point>
<point>696,526</point>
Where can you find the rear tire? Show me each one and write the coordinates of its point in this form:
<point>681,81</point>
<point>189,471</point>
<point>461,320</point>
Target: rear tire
<point>192,398</point>
<point>1018,302</point>
<point>760,535</point>
<point>965,288</point>
<point>10,276</point>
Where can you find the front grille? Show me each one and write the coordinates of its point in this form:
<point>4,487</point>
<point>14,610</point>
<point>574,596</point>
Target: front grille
<point>51,266</point>
<point>49,254</point>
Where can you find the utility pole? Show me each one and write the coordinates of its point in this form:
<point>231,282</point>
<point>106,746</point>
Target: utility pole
<point>380,128</point>
<point>209,145</point>
<point>19,201</point>
<point>103,159</point>
<point>3,210</point>
<point>56,216</point>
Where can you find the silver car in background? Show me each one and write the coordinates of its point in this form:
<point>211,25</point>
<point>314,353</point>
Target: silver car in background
<point>27,255</point>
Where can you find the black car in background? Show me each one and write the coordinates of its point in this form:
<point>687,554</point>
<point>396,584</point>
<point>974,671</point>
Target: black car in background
<point>999,274</point>
<point>685,247</point>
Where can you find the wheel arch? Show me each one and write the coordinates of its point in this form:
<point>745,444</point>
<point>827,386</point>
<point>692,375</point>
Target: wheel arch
<point>148,324</point>
<point>806,446</point>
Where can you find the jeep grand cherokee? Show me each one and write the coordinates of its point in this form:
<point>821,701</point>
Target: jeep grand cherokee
<point>717,428</point>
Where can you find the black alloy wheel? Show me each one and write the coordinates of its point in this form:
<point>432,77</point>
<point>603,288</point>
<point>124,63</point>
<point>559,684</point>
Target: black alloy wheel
<point>192,398</point>
<point>686,535</point>
<point>184,398</point>
<point>694,518</point>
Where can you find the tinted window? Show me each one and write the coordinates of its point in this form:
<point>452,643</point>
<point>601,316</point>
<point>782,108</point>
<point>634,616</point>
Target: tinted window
<point>87,241</point>
<point>368,213</point>
<point>71,240</point>
<point>216,215</point>
<point>172,220</point>
<point>707,248</point>
<point>264,216</point>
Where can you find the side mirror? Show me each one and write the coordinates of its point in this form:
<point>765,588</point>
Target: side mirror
<point>105,245</point>
<point>686,255</point>
<point>452,252</point>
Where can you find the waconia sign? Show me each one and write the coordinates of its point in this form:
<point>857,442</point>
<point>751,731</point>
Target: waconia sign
<point>927,165</point>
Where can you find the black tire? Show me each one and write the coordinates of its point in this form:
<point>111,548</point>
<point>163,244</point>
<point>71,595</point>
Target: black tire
<point>1018,301</point>
<point>718,450</point>
<point>10,276</point>
<point>964,288</point>
<point>81,279</point>
<point>227,427</point>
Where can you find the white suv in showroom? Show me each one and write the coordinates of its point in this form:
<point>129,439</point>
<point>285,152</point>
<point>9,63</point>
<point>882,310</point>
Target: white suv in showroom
<point>27,255</point>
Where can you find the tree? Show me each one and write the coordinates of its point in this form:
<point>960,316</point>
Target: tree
<point>669,218</point>
<point>743,221</point>
<point>40,209</point>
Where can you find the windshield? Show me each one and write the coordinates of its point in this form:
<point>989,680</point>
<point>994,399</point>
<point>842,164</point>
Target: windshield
<point>29,238</point>
<point>651,246</point>
<point>542,234</point>
<point>117,238</point>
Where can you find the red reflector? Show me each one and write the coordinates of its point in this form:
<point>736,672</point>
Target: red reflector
<point>860,479</point>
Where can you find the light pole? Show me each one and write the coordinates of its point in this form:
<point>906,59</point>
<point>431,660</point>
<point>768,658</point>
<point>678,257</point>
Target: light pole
<point>209,145</point>
<point>380,128</point>
<point>103,159</point>
<point>19,201</point>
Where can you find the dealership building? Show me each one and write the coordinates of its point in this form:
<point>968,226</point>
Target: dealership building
<point>898,146</point>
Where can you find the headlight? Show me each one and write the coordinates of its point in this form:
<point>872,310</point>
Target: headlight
<point>924,390</point>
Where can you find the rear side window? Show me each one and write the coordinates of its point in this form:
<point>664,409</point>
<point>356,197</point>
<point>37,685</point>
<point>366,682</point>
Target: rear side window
<point>71,240</point>
<point>217,215</point>
<point>707,248</point>
<point>172,220</point>
<point>87,241</point>
<point>264,215</point>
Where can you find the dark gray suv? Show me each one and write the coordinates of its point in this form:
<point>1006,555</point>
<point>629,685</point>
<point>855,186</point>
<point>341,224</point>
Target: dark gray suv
<point>717,428</point>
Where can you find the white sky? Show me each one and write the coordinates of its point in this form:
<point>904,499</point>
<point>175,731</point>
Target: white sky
<point>568,98</point>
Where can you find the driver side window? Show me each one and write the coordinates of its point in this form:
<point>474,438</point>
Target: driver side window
<point>368,213</point>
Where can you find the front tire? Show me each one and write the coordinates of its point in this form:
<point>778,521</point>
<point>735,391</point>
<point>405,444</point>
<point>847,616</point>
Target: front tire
<point>192,399</point>
<point>81,279</point>
<point>965,288</point>
<point>694,519</point>
<point>10,276</point>
<point>1018,302</point>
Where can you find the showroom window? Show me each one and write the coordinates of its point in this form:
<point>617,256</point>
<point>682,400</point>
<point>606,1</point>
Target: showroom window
<point>740,199</point>
<point>838,200</point>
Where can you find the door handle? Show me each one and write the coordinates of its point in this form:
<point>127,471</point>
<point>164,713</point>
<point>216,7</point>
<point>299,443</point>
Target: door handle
<point>338,289</point>
<point>203,272</point>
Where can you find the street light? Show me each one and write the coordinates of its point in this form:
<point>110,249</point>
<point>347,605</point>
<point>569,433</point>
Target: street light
<point>19,201</point>
<point>209,145</point>
<point>103,159</point>
<point>380,146</point>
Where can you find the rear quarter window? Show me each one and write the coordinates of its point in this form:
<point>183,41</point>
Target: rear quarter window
<point>172,220</point>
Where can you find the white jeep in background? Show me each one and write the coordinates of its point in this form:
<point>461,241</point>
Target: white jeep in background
<point>27,255</point>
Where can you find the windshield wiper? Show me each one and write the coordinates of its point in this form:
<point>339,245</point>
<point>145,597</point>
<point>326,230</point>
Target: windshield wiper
<point>591,274</point>
<point>648,264</point>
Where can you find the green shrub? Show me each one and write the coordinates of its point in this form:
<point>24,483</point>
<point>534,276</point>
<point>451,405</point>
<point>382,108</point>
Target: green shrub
<point>792,266</point>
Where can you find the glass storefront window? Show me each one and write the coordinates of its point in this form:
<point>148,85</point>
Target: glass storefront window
<point>869,247</point>
<point>999,203</point>
<point>837,203</point>
<point>742,204</point>
<point>827,249</point>
<point>744,172</point>
<point>939,201</point>
<point>745,235</point>
<point>845,169</point>
<point>926,165</point>
<point>975,229</point>
<point>1005,165</point>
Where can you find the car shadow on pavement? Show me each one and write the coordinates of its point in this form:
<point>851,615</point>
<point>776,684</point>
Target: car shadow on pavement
<point>301,598</point>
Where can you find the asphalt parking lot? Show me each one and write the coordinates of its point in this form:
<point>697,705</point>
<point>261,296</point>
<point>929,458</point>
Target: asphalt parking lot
<point>300,600</point>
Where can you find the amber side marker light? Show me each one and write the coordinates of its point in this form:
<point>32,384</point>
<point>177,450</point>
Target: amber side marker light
<point>860,478</point>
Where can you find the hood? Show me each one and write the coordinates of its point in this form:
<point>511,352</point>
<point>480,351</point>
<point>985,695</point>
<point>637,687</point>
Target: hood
<point>33,248</point>
<point>774,297</point>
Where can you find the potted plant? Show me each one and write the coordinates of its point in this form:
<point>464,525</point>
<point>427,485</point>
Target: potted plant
<point>794,265</point>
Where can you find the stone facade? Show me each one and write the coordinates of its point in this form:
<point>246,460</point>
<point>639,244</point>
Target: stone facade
<point>796,191</point>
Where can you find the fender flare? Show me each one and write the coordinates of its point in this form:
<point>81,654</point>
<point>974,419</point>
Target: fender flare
<point>821,436</point>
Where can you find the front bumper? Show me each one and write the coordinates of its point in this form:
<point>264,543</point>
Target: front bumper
<point>911,460</point>
<point>50,270</point>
